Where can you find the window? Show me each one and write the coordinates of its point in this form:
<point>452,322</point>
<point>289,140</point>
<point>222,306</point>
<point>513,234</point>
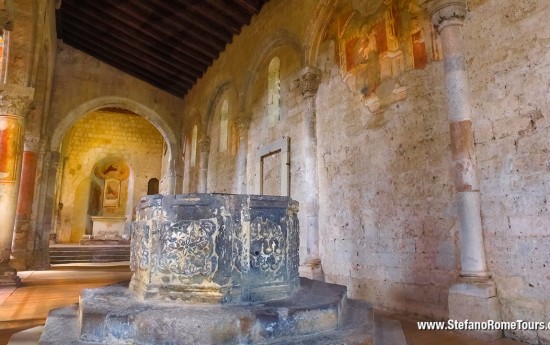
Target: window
<point>224,125</point>
<point>194,146</point>
<point>4,43</point>
<point>274,91</point>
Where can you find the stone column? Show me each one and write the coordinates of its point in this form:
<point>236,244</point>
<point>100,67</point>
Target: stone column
<point>23,221</point>
<point>309,83</point>
<point>46,197</point>
<point>243,123</point>
<point>474,296</point>
<point>204,146</point>
<point>14,105</point>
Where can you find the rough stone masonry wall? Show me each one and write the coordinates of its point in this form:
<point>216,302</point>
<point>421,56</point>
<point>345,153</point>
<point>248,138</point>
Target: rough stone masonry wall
<point>388,222</point>
<point>105,134</point>
<point>387,216</point>
<point>253,50</point>
<point>80,78</point>
<point>509,59</point>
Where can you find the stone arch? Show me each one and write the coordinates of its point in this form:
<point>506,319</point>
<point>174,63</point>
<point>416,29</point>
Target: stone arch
<point>317,28</point>
<point>278,39</point>
<point>125,103</point>
<point>227,87</point>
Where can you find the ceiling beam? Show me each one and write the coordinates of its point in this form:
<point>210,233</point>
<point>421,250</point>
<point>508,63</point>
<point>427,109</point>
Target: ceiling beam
<point>123,47</point>
<point>164,83</point>
<point>132,17</point>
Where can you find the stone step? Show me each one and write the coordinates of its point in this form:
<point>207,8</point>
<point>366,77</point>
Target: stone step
<point>63,254</point>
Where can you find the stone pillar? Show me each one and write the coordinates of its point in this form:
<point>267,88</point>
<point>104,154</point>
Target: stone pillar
<point>243,123</point>
<point>14,105</point>
<point>204,146</point>
<point>46,197</point>
<point>474,296</point>
<point>309,83</point>
<point>23,221</point>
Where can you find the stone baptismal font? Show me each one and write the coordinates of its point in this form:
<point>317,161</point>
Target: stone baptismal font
<point>213,269</point>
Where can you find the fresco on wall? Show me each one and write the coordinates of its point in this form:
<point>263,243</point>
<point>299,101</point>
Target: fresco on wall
<point>10,132</point>
<point>379,40</point>
<point>114,173</point>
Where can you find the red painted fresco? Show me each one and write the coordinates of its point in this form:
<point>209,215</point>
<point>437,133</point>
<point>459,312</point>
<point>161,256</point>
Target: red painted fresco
<point>10,132</point>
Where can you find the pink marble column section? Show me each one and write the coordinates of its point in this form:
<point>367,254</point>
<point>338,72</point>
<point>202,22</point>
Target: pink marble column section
<point>309,83</point>
<point>24,210</point>
<point>14,105</point>
<point>243,122</point>
<point>448,17</point>
<point>204,146</point>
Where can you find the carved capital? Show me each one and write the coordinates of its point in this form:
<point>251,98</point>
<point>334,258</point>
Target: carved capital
<point>204,145</point>
<point>243,122</point>
<point>309,81</point>
<point>447,11</point>
<point>15,100</point>
<point>33,144</point>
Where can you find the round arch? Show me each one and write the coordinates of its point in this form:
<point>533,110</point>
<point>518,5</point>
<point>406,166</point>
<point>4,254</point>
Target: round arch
<point>125,103</point>
<point>278,39</point>
<point>317,28</point>
<point>227,87</point>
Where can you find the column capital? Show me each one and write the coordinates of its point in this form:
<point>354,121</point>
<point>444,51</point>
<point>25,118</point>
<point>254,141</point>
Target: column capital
<point>204,144</point>
<point>33,144</point>
<point>310,78</point>
<point>445,12</point>
<point>243,121</point>
<point>15,99</point>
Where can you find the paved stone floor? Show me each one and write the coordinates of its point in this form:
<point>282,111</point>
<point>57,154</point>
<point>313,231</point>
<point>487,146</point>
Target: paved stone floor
<point>28,306</point>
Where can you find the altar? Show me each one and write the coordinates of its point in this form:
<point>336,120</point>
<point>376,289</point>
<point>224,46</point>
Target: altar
<point>108,226</point>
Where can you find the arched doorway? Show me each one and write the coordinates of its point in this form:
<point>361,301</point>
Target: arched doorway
<point>108,158</point>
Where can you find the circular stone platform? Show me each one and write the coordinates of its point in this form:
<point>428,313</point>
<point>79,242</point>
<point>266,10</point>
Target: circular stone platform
<point>318,313</point>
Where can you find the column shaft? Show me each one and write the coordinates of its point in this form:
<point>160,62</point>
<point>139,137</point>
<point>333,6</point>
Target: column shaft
<point>241,160</point>
<point>24,210</point>
<point>309,83</point>
<point>449,20</point>
<point>203,164</point>
<point>11,147</point>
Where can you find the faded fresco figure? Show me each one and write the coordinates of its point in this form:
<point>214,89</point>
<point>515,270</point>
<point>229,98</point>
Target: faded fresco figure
<point>368,68</point>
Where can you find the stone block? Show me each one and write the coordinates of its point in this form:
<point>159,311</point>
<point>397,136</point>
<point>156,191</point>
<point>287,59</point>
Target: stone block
<point>475,301</point>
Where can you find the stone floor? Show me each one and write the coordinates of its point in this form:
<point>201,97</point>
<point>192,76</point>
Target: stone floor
<point>27,307</point>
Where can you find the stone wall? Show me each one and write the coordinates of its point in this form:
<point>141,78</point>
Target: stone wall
<point>387,218</point>
<point>509,60</point>
<point>388,222</point>
<point>95,137</point>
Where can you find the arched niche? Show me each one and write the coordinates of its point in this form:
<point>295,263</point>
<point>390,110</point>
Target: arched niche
<point>118,153</point>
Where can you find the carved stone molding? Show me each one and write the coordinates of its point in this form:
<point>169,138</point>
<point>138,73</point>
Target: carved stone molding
<point>204,144</point>
<point>310,79</point>
<point>447,11</point>
<point>15,99</point>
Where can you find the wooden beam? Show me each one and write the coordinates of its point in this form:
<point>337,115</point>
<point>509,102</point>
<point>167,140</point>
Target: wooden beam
<point>121,46</point>
<point>171,86</point>
<point>195,28</point>
<point>195,66</point>
<point>131,17</point>
<point>155,38</point>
